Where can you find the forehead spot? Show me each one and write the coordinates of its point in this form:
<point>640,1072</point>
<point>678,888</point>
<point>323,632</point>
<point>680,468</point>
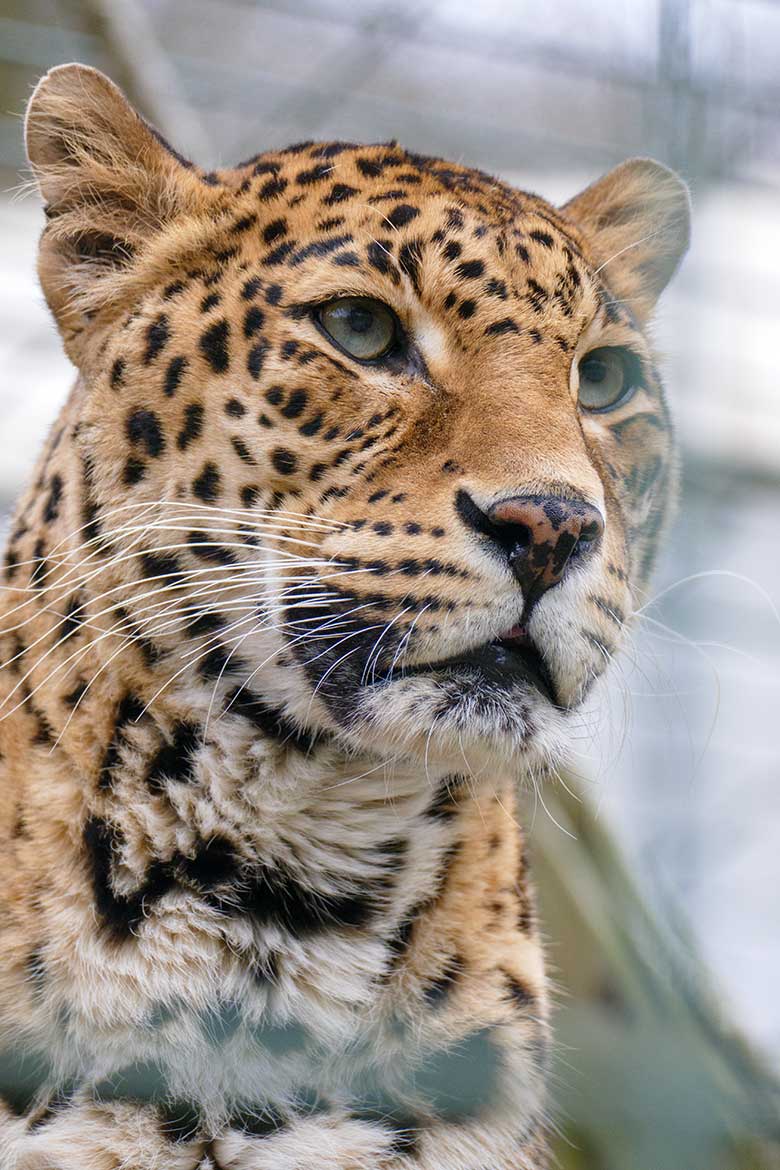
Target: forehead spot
<point>214,346</point>
<point>338,193</point>
<point>402,214</point>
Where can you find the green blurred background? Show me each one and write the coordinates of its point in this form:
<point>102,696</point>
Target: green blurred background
<point>660,882</point>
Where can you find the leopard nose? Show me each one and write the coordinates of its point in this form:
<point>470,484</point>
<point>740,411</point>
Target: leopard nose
<point>540,536</point>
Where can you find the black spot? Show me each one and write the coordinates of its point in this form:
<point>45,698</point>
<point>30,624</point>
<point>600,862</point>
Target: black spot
<point>338,193</point>
<point>296,404</point>
<point>143,428</point>
<point>314,175</point>
<point>543,238</point>
<point>52,506</point>
<point>279,255</point>
<point>274,895</point>
<point>243,224</point>
<point>120,914</point>
<point>409,258</point>
<point>173,375</point>
<point>284,461</point>
<point>379,258</point>
<point>523,253</point>
<point>117,376</point>
<point>210,302</point>
<point>235,408</point>
<point>321,248</point>
<point>156,338</point>
<point>193,426</point>
<point>213,863</point>
<point>272,722</point>
<point>35,971</point>
<point>256,358</point>
<point>173,289</point>
<point>272,188</point>
<point>253,321</point>
<point>452,250</point>
<point>470,269</point>
<point>467,309</point>
<point>371,168</point>
<point>161,566</point>
<point>496,288</point>
<point>251,288</point>
<point>134,471</point>
<point>206,486</point>
<point>506,325</point>
<point>210,550</point>
<point>220,661</point>
<point>173,761</point>
<point>444,805</point>
<point>249,495</point>
<point>311,426</point>
<point>129,711</point>
<point>402,214</point>
<point>275,230</point>
<point>243,452</point>
<point>214,346</point>
<point>273,294</point>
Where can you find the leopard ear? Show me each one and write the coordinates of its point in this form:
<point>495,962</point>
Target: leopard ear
<point>109,183</point>
<point>636,220</point>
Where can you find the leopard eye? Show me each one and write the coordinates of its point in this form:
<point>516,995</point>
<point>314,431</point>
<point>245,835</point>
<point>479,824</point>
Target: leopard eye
<point>607,377</point>
<point>366,329</point>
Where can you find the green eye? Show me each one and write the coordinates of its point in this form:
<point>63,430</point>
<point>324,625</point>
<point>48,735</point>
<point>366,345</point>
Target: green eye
<point>366,329</point>
<point>607,376</point>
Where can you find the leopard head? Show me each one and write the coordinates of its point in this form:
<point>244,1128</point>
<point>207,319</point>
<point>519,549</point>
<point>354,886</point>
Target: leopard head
<point>357,431</point>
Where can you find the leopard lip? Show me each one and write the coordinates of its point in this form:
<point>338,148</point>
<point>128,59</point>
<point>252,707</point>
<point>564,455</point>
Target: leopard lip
<point>511,658</point>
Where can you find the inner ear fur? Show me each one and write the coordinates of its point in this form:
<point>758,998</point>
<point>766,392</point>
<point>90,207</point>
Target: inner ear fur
<point>109,184</point>
<point>636,220</point>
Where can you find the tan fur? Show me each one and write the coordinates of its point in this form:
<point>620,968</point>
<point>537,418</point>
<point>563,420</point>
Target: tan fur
<point>288,883</point>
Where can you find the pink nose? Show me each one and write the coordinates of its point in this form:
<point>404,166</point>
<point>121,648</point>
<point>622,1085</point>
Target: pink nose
<point>540,536</point>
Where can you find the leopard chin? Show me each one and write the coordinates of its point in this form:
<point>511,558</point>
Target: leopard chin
<point>458,717</point>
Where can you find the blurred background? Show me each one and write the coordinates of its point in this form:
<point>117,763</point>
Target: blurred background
<point>679,760</point>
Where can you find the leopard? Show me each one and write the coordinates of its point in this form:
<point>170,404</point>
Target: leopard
<point>360,482</point>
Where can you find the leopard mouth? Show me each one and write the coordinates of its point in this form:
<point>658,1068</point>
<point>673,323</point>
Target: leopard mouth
<point>504,662</point>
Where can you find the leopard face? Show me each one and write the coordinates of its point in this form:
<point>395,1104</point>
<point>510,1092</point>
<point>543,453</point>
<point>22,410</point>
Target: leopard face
<point>361,430</point>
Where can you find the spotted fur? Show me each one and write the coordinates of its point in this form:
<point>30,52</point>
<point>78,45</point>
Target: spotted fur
<point>264,899</point>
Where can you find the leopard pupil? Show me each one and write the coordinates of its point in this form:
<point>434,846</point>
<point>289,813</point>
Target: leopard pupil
<point>595,371</point>
<point>361,320</point>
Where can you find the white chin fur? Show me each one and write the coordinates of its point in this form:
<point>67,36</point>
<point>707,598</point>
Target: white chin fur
<point>454,723</point>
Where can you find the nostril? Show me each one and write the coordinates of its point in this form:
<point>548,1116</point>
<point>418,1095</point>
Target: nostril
<point>515,538</point>
<point>591,529</point>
